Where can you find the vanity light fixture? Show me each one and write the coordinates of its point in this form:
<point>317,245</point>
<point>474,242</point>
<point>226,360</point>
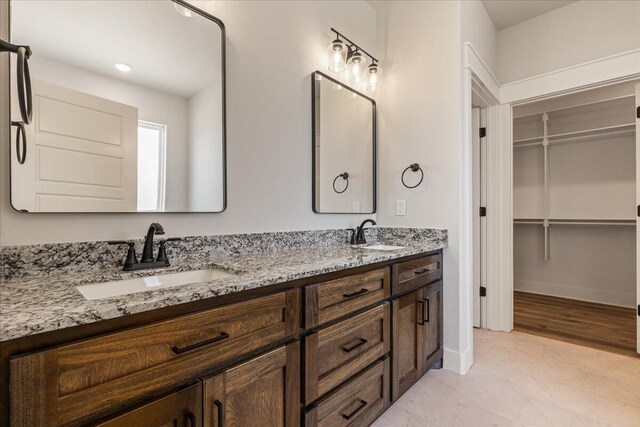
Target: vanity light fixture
<point>374,73</point>
<point>356,65</point>
<point>121,66</point>
<point>183,10</point>
<point>343,54</point>
<point>337,56</point>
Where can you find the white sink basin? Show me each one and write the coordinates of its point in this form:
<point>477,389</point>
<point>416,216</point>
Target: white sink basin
<point>116,288</point>
<point>383,247</point>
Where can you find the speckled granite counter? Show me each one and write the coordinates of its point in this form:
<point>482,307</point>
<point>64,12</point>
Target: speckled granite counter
<point>34,302</point>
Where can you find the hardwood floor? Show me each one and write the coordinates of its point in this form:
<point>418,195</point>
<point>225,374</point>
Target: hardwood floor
<point>599,326</point>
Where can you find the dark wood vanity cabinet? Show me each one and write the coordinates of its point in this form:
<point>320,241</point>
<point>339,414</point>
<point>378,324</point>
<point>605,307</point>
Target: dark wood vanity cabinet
<point>180,409</point>
<point>417,321</point>
<point>407,342</point>
<point>334,351</point>
<point>432,327</point>
<point>264,391</point>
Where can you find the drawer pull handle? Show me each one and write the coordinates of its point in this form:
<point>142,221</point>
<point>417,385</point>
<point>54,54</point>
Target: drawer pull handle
<point>428,316</point>
<point>421,321</point>
<point>419,272</point>
<point>361,342</point>
<point>222,336</point>
<point>220,412</point>
<point>355,294</point>
<point>358,409</point>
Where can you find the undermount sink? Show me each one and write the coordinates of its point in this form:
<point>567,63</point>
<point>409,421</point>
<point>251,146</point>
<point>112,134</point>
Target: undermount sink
<point>382,247</point>
<point>116,288</point>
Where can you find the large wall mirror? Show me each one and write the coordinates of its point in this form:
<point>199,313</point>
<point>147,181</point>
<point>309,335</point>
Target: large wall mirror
<point>344,148</point>
<point>128,107</point>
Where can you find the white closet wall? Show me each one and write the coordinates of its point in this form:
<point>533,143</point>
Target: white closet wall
<point>574,213</point>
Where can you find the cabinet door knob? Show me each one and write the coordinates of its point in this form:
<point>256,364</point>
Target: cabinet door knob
<point>220,412</point>
<point>421,321</point>
<point>191,418</point>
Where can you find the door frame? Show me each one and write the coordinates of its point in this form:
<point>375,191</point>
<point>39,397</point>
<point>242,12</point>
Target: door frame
<point>611,70</point>
<point>614,69</point>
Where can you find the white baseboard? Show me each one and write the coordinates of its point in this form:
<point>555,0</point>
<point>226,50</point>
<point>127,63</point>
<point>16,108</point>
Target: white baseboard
<point>457,362</point>
<point>602,296</point>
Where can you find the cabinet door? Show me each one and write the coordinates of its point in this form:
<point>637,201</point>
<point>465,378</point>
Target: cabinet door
<point>408,338</point>
<point>432,329</point>
<point>264,391</point>
<point>181,409</point>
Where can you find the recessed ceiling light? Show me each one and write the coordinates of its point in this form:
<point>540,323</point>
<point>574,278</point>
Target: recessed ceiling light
<point>121,66</point>
<point>183,10</point>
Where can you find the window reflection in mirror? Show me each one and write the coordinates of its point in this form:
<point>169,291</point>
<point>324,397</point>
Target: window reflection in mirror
<point>344,140</point>
<point>129,108</point>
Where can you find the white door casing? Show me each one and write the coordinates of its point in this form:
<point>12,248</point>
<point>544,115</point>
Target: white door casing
<point>638,218</point>
<point>475,152</point>
<point>84,164</point>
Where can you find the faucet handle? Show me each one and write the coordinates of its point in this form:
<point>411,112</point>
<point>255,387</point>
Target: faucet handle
<point>132,259</point>
<point>353,235</point>
<point>162,250</point>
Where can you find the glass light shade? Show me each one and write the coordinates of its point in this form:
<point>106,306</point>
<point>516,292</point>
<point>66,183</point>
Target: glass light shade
<point>374,75</point>
<point>356,66</point>
<point>337,55</point>
<point>183,11</point>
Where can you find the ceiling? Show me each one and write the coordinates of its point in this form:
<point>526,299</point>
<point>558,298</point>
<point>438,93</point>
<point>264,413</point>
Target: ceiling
<point>506,13</point>
<point>167,51</point>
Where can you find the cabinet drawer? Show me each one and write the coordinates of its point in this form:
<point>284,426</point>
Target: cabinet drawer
<point>338,352</point>
<point>357,403</point>
<point>416,273</point>
<point>330,300</point>
<point>86,379</point>
<point>183,408</point>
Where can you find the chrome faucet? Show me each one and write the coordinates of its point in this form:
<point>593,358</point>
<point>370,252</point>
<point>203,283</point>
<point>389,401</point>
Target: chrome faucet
<point>357,237</point>
<point>147,252</point>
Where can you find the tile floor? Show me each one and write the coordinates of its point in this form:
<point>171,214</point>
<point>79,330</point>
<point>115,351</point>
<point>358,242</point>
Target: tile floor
<point>525,380</point>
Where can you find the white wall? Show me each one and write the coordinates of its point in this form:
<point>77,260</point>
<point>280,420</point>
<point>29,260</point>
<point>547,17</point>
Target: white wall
<point>479,30</point>
<point>206,174</point>
<point>580,32</point>
<point>153,106</point>
<point>420,120</point>
<point>272,49</point>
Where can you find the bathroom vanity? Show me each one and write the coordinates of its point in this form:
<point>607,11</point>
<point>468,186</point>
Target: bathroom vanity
<point>329,348</point>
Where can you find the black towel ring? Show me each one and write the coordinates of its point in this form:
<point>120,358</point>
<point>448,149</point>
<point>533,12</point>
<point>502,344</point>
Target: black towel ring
<point>25,99</point>
<point>21,136</point>
<point>414,168</point>
<point>24,78</point>
<point>344,176</point>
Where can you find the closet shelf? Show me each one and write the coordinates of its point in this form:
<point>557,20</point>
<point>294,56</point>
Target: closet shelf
<point>576,136</point>
<point>576,221</point>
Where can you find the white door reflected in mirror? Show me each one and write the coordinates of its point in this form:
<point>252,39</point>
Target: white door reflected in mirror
<point>127,118</point>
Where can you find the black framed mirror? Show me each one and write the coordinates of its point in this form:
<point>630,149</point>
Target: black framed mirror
<point>344,148</point>
<point>129,107</point>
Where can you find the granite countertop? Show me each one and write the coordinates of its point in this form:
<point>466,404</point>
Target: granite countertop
<point>34,305</point>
